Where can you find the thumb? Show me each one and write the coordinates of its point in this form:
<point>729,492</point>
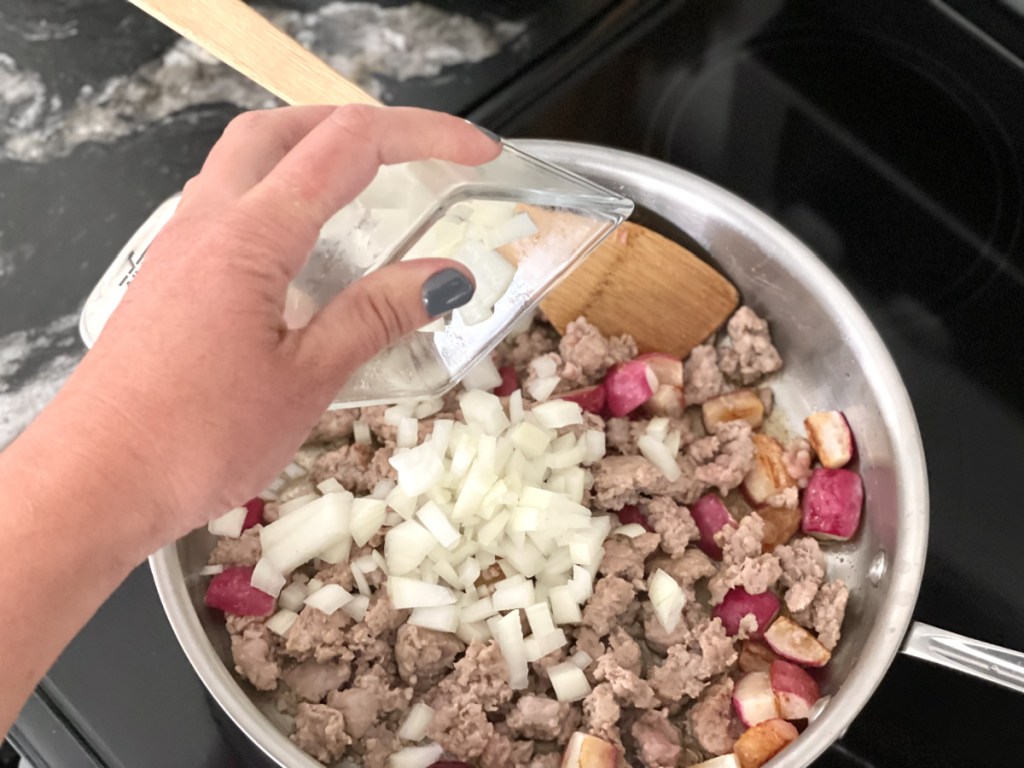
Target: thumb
<point>379,309</point>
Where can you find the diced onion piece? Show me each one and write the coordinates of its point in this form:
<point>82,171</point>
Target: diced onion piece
<point>594,440</point>
<point>519,226</point>
<point>667,599</point>
<point>435,521</point>
<point>564,608</point>
<point>509,633</point>
<point>658,428</point>
<point>530,439</point>
<point>415,757</point>
<point>294,505</point>
<point>655,452</point>
<point>484,375</point>
<point>478,611</point>
<point>382,489</point>
<point>539,616</point>
<point>405,546</point>
<point>312,585</point>
<point>467,633</point>
<point>293,471</point>
<point>307,532</point>
<point>541,389</point>
<point>361,433</point>
<point>292,596</point>
<point>445,571</point>
<point>558,413</point>
<point>484,409</point>
<point>418,469</point>
<point>357,607</point>
<point>581,659</point>
<point>441,436</point>
<point>569,681</point>
<point>360,579</point>
<point>478,482</point>
<point>444,618</point>
<point>544,367</point>
<point>412,593</point>
<point>266,577</point>
<point>508,595</point>
<point>515,407</point>
<point>539,646</point>
<point>415,725</point>
<point>328,599</point>
<point>582,584</point>
<point>337,553</point>
<point>630,530</point>
<point>229,524</point>
<point>408,433</point>
<point>393,416</point>
<point>491,531</point>
<point>427,407</point>
<point>469,572</point>
<point>673,441</point>
<point>330,485</point>
<point>367,518</point>
<point>282,621</point>
<point>211,570</point>
<point>401,503</point>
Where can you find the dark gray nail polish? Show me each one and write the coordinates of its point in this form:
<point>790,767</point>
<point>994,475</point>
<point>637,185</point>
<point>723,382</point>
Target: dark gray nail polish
<point>446,290</point>
<point>488,133</point>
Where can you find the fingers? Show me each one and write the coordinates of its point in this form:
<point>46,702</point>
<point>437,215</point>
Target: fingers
<point>378,310</point>
<point>250,147</point>
<point>341,155</point>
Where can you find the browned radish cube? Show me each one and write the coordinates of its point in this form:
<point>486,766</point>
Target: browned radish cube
<point>668,370</point>
<point>743,404</point>
<point>755,656</point>
<point>832,504</point>
<point>780,525</point>
<point>764,741</point>
<point>793,642</point>
<point>737,603</point>
<point>753,698</point>
<point>586,751</point>
<point>666,401</point>
<point>768,476</point>
<point>830,435</point>
<point>795,690</point>
<point>711,516</point>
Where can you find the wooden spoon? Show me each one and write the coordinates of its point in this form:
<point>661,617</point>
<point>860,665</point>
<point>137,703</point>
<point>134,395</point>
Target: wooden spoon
<point>636,282</point>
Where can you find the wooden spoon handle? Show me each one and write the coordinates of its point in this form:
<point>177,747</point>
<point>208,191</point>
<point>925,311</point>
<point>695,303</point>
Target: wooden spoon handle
<point>246,41</point>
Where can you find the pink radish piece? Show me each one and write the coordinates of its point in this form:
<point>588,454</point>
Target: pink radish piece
<point>832,504</point>
<point>628,386</point>
<point>738,603</point>
<point>253,513</point>
<point>793,642</point>
<point>231,592</point>
<point>753,699</point>
<point>711,516</point>
<point>742,404</point>
<point>830,435</point>
<point>666,401</point>
<point>590,399</point>
<point>632,514</point>
<point>509,381</point>
<point>795,690</point>
<point>668,370</point>
<point>768,475</point>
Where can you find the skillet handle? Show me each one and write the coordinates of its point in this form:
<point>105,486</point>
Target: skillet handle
<point>964,654</point>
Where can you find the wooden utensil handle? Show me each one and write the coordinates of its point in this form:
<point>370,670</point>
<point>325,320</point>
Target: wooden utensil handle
<point>246,41</point>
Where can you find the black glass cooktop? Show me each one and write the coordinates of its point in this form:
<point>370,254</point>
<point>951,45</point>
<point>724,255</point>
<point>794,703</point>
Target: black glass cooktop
<point>889,136</point>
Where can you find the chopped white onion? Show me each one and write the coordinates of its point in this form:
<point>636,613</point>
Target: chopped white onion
<point>405,546</point>
<point>655,452</point>
<point>330,485</point>
<point>282,621</point>
<point>415,725</point>
<point>469,572</point>
<point>367,518</point>
<point>581,659</point>
<point>484,409</point>
<point>658,428</point>
<point>211,570</point>
<point>401,503</point>
<point>266,577</point>
<point>328,599</point>
<point>383,488</point>
<point>305,533</point>
<point>360,580</point>
<point>509,594</point>
<point>427,407</point>
<point>408,432</point>
<point>509,632</point>
<point>530,439</point>
<point>294,505</point>
<point>478,611</point>
<point>361,433</point>
<point>337,553</point>
<point>564,608</point>
<point>467,633</point>
<point>437,522</point>
<point>558,413</point>
<point>418,469</point>
<point>229,524</point>
<point>293,471</point>
<point>484,375</point>
<point>292,596</point>
<point>411,593</point>
<point>673,441</point>
<point>569,681</point>
<point>415,757</point>
<point>630,530</point>
<point>515,407</point>
<point>594,440</point>
<point>443,618</point>
<point>539,646</point>
<point>541,389</point>
<point>539,616</point>
<point>441,436</point>
<point>667,599</point>
<point>357,607</point>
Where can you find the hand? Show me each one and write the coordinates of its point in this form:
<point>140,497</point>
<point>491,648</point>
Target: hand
<point>195,375</point>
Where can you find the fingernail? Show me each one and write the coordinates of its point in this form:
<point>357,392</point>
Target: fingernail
<point>488,133</point>
<point>446,290</point>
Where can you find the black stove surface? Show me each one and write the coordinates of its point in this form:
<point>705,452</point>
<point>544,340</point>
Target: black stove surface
<point>889,136</point>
